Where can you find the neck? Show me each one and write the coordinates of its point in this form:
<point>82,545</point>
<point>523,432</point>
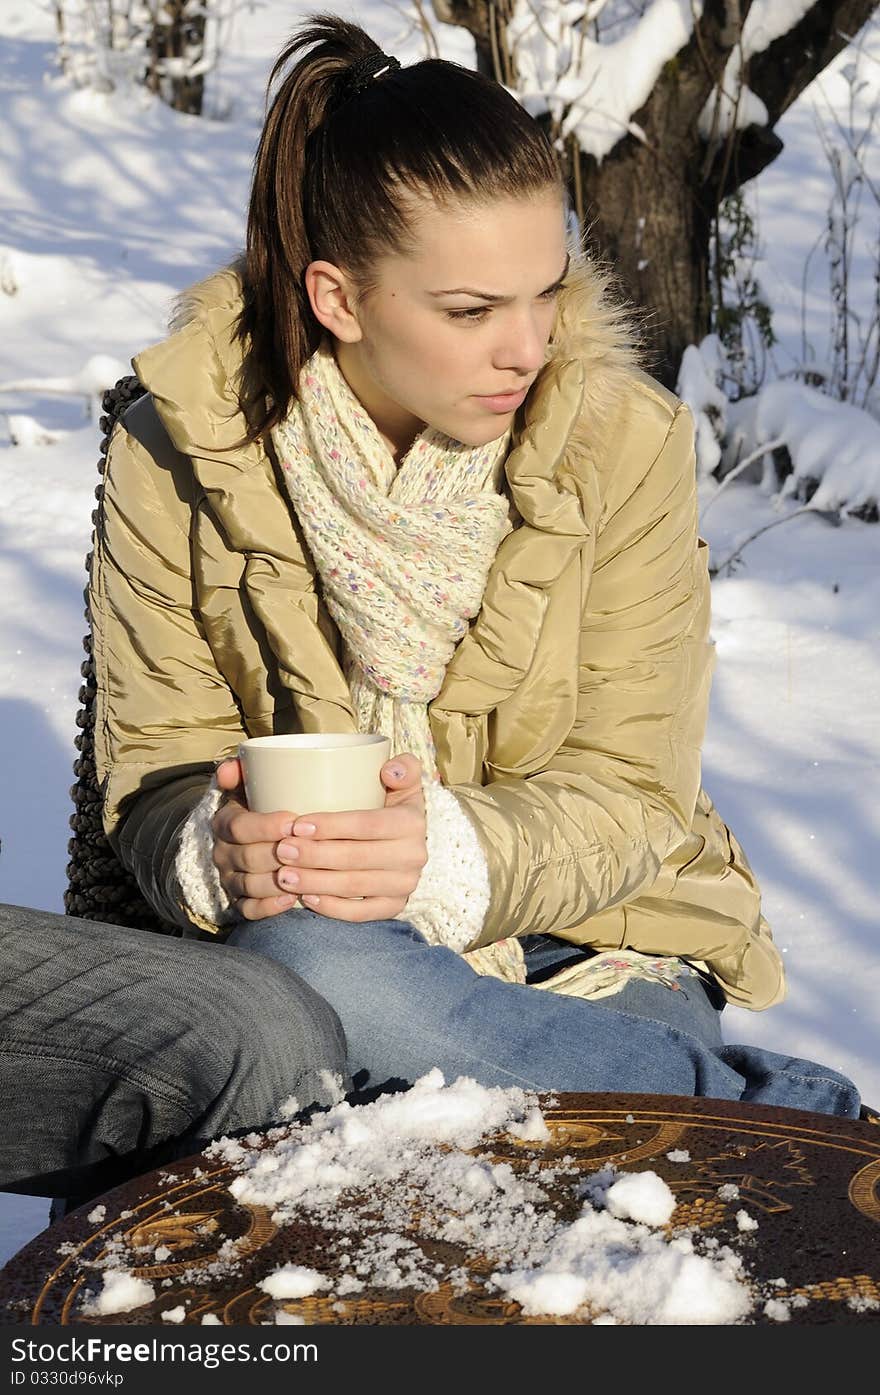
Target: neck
<point>397,427</point>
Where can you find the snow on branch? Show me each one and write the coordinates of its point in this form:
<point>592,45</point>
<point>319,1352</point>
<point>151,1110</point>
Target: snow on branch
<point>733,105</point>
<point>592,66</point>
<point>592,88</point>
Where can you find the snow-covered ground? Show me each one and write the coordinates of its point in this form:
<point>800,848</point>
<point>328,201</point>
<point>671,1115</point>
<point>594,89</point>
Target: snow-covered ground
<point>110,206</point>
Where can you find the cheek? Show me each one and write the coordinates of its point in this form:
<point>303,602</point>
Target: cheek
<point>436,362</point>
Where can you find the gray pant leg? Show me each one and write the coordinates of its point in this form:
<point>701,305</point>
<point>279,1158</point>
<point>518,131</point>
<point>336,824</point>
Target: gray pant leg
<point>120,1049</point>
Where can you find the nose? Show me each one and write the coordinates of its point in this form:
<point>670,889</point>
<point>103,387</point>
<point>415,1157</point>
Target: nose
<point>521,343</point>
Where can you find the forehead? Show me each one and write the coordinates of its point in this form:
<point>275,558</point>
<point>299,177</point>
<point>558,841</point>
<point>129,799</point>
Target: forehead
<point>502,242</point>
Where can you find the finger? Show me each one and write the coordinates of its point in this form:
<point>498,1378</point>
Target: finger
<point>236,824</point>
<point>245,857</point>
<point>343,853</point>
<point>256,908</point>
<point>358,824</point>
<point>252,886</point>
<point>228,774</point>
<point>371,908</point>
<point>381,882</point>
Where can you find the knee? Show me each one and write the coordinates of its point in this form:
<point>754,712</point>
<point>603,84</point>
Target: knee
<point>275,1027</point>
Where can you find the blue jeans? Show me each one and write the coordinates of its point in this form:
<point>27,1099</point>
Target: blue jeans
<point>120,1049</point>
<point>407,1006</point>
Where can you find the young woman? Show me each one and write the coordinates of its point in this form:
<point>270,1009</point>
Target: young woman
<point>398,470</point>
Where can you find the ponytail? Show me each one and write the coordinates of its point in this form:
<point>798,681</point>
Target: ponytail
<point>277,316</point>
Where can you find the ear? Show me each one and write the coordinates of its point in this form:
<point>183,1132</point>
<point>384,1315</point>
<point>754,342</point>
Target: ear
<point>333,300</point>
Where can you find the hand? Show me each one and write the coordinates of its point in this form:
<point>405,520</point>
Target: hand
<point>357,865</point>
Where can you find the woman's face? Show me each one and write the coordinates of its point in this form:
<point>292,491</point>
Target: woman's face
<point>455,331</point>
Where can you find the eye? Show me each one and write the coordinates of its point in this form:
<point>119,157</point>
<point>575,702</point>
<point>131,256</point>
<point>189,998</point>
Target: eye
<point>473,315</point>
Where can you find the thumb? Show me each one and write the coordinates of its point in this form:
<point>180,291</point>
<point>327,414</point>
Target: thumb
<point>228,774</point>
<point>404,772</point>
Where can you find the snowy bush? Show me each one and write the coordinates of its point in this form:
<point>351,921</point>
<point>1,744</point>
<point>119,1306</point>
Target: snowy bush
<point>833,447</point>
<point>167,46</point>
<point>699,385</point>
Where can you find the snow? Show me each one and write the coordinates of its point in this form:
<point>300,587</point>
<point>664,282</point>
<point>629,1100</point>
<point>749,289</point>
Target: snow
<point>176,1314</point>
<point>120,1292</point>
<point>595,87</point>
<point>699,374</point>
<point>861,1303</point>
<point>640,1196</point>
<point>831,442</point>
<point>292,1281</point>
<point>778,1310</point>
<point>91,381</point>
<point>126,205</point>
<point>833,445</point>
<point>636,1275</point>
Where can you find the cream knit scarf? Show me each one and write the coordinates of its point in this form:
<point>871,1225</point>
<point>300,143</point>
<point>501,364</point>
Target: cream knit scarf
<point>403,553</point>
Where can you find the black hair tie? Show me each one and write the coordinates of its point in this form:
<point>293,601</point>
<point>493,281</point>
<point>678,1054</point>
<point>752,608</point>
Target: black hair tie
<point>362,73</point>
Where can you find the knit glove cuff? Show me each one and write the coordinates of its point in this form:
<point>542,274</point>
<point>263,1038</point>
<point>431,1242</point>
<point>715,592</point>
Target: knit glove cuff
<point>204,899</point>
<point>449,904</point>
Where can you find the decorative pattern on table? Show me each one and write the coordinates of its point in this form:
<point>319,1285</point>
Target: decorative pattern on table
<point>811,1183</point>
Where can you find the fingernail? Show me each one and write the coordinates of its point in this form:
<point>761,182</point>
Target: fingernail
<point>284,903</point>
<point>396,772</point>
<point>288,852</point>
<point>287,877</point>
<point>302,830</point>
<point>311,900</point>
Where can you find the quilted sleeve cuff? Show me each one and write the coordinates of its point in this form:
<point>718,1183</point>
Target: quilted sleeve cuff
<point>204,898</point>
<point>449,904</point>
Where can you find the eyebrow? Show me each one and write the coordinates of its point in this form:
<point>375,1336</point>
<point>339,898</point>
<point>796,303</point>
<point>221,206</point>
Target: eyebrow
<point>502,299</point>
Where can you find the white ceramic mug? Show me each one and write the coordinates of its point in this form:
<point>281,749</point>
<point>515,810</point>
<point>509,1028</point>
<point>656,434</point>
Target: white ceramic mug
<point>315,773</point>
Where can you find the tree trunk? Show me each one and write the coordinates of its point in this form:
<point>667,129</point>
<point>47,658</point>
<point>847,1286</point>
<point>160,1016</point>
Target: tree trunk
<point>654,230</point>
<point>649,206</point>
<point>179,29</point>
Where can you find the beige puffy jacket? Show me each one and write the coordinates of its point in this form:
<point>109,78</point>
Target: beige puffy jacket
<point>571,717</point>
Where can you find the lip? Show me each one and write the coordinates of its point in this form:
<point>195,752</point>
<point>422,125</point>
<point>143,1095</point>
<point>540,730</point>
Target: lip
<point>503,401</point>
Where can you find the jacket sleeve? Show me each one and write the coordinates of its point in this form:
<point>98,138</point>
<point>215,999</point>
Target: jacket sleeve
<point>164,713</point>
<point>591,830</point>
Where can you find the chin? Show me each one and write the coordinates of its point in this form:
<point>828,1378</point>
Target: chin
<point>481,435</point>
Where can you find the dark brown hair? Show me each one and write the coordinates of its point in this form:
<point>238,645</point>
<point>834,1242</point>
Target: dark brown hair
<point>336,166</point>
